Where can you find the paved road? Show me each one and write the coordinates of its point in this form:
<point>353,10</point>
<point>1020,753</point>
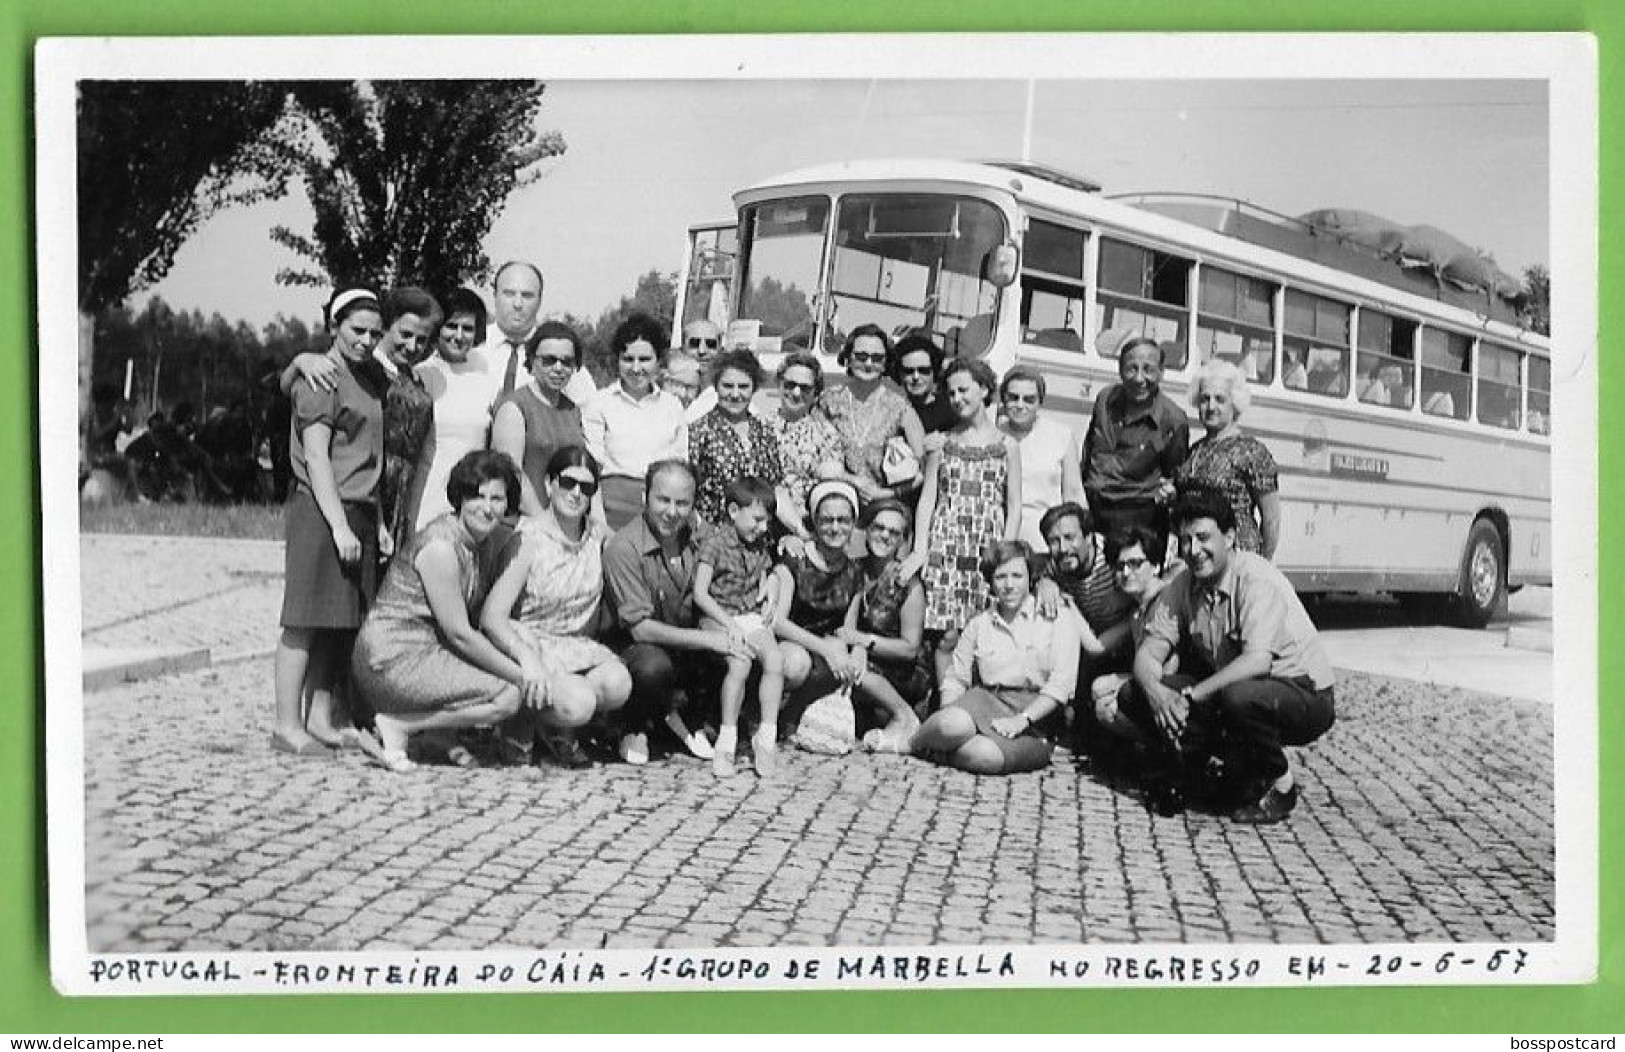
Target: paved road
<point>1427,814</point>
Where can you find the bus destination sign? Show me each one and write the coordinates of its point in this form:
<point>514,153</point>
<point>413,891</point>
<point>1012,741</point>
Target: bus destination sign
<point>1360,467</point>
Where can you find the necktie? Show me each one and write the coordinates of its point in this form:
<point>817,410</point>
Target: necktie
<point>513,366</point>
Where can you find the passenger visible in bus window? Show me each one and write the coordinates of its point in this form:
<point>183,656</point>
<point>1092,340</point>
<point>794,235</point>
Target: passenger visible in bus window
<point>1388,385</point>
<point>1328,371</point>
<point>1441,403</point>
<point>1295,375</point>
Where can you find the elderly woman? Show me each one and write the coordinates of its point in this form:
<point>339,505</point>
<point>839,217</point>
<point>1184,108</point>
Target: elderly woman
<point>869,411</point>
<point>419,660</point>
<point>632,423</point>
<point>680,378</point>
<point>1232,461</point>
<point>918,370</point>
<point>539,418</point>
<point>1050,451</point>
<point>819,584</point>
<point>464,386</point>
<point>809,444</point>
<point>1012,673</point>
<point>543,612</point>
<point>730,442</point>
<point>887,621</point>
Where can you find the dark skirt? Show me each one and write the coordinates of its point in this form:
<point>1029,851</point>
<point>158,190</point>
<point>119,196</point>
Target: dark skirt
<point>318,591</point>
<point>623,499</point>
<point>1028,751</point>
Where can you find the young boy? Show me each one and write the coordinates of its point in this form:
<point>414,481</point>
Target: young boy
<point>733,590</point>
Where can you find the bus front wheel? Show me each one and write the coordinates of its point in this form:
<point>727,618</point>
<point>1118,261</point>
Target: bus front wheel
<point>1483,576</point>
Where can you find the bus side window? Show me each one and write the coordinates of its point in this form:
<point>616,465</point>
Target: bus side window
<point>1540,396</point>
<point>1145,292</point>
<point>1052,286</point>
<point>1316,331</point>
<point>1386,368</point>
<point>1236,322</point>
<point>1500,386</point>
<point>1446,373</point>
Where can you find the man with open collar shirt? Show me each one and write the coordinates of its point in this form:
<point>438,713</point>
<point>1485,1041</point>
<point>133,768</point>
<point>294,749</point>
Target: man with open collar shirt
<point>1137,439</point>
<point>1253,670</point>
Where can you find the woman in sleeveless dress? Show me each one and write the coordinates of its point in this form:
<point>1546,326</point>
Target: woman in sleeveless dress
<point>419,661</point>
<point>539,418</point>
<point>971,499</point>
<point>544,606</point>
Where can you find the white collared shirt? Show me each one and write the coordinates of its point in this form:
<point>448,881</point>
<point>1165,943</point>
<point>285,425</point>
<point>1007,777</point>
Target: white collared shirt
<point>1027,653</point>
<point>628,434</point>
<point>497,349</point>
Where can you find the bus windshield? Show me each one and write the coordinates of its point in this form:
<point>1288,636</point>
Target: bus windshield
<point>916,263</point>
<point>906,262</point>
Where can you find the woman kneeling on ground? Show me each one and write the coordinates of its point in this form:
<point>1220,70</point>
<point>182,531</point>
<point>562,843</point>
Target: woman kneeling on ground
<point>1011,674</point>
<point>822,582</point>
<point>543,612</point>
<point>419,660</point>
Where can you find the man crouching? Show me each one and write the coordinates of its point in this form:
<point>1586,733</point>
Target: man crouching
<point>1253,668</point>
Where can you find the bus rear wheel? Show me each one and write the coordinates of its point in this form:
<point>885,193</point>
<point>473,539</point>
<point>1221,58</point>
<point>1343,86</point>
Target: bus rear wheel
<point>1483,586</point>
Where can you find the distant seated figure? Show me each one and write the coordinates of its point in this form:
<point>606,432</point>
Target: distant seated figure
<point>1440,403</point>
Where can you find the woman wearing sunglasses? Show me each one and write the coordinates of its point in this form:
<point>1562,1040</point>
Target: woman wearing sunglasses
<point>1050,467</point>
<point>869,410</point>
<point>543,609</point>
<point>540,417</point>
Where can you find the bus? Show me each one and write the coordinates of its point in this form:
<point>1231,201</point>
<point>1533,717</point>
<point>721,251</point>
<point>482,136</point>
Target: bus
<point>1408,412</point>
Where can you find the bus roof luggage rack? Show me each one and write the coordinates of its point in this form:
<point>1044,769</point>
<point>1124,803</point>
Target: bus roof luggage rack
<point>1070,180</point>
<point>1420,260</point>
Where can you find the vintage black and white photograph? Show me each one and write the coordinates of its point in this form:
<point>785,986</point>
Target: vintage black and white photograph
<point>939,505</point>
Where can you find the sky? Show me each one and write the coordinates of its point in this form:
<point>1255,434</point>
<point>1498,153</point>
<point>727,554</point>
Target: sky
<point>645,159</point>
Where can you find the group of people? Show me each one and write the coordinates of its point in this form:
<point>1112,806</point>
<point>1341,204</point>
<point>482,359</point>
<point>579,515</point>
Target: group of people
<point>665,563</point>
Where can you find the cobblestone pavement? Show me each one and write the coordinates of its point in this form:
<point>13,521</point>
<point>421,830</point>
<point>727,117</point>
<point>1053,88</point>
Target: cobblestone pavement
<point>1426,814</point>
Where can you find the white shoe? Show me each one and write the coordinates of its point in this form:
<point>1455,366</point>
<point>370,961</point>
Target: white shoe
<point>694,741</point>
<point>635,749</point>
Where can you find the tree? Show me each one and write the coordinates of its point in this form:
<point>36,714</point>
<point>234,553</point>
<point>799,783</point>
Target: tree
<point>155,159</point>
<point>406,177</point>
<point>1537,295</point>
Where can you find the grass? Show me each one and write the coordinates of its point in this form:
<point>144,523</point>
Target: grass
<point>256,521</point>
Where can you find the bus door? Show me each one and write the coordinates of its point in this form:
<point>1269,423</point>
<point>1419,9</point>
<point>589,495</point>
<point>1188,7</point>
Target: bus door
<point>705,284</point>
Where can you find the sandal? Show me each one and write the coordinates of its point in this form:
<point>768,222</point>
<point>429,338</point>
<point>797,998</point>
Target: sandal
<point>393,760</point>
<point>460,756</point>
<point>307,748</point>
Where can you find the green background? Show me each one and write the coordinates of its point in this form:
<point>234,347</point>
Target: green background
<point>28,1004</point>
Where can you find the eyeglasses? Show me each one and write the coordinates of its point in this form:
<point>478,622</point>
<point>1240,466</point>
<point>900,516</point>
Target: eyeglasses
<point>834,520</point>
<point>708,342</point>
<point>1131,564</point>
<point>917,370</point>
<point>549,361</point>
<point>794,385</point>
<point>570,482</point>
<point>1018,399</point>
<point>869,357</point>
<point>877,530</point>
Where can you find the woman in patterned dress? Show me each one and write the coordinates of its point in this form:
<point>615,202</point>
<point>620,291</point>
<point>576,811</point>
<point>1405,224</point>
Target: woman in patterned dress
<point>543,612</point>
<point>972,498</point>
<point>869,410</point>
<point>1232,461</point>
<point>809,445</point>
<point>419,660</point>
<point>731,442</point>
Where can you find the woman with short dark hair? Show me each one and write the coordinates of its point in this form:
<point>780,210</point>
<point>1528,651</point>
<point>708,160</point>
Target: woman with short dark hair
<point>632,423</point>
<point>539,418</point>
<point>1012,673</point>
<point>730,442</point>
<point>419,661</point>
<point>869,411</point>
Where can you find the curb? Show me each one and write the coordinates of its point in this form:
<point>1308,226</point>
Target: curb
<point>111,667</point>
<point>1525,637</point>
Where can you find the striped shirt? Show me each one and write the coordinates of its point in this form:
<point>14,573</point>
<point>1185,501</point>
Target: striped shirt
<point>1094,591</point>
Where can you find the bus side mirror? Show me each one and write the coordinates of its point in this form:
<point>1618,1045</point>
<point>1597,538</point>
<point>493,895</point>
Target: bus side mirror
<point>1002,263</point>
